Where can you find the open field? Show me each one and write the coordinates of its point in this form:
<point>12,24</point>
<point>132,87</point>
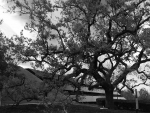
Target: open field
<point>58,109</point>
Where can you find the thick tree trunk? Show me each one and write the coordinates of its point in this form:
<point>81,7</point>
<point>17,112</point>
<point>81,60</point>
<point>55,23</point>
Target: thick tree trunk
<point>109,103</point>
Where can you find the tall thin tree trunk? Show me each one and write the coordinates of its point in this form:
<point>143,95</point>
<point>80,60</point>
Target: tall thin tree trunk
<point>109,103</point>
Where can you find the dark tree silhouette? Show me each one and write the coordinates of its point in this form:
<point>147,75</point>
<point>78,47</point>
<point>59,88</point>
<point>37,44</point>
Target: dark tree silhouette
<point>90,34</point>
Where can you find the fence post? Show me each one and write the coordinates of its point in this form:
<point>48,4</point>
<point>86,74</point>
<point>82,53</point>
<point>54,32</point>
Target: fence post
<point>136,101</point>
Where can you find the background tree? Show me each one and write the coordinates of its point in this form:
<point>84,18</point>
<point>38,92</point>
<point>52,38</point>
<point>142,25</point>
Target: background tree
<point>143,94</point>
<point>90,34</point>
<point>6,60</point>
<point>18,90</point>
<point>128,95</point>
<point>12,83</point>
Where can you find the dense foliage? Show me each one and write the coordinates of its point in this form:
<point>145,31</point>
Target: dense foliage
<point>98,42</point>
<point>13,85</point>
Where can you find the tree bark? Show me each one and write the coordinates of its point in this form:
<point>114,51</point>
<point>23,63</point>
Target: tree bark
<point>109,103</point>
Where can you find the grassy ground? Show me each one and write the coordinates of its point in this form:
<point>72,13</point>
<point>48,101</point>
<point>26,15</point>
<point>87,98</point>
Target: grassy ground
<point>58,109</point>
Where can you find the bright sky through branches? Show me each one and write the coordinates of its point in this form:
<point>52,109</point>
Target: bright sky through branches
<point>13,23</point>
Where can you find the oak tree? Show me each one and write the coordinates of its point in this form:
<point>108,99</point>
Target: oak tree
<point>99,42</point>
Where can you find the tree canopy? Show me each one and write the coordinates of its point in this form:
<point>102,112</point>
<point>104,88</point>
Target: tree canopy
<point>5,59</point>
<point>99,42</point>
<point>8,66</point>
